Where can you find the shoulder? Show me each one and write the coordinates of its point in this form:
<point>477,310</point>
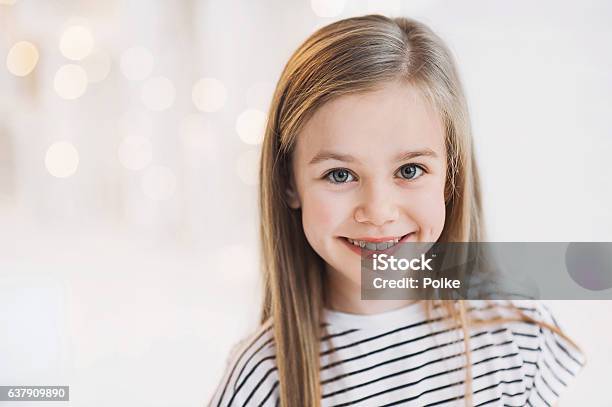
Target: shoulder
<point>534,319</point>
<point>559,359</point>
<point>250,375</point>
<point>551,359</point>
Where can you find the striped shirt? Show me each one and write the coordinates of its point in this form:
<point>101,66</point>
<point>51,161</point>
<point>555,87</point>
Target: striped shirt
<point>403,358</point>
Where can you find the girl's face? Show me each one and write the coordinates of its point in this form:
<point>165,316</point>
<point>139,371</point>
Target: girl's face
<point>371,167</point>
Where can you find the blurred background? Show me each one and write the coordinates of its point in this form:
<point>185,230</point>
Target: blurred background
<point>129,147</point>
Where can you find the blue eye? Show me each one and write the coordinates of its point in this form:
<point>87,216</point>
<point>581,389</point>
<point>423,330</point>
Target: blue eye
<point>411,171</point>
<point>343,176</point>
<point>338,176</point>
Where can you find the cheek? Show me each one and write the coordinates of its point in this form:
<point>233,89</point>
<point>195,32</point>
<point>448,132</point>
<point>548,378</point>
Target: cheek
<point>321,213</point>
<point>429,211</point>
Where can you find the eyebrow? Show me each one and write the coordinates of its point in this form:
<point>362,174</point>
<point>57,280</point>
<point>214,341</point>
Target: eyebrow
<point>405,155</point>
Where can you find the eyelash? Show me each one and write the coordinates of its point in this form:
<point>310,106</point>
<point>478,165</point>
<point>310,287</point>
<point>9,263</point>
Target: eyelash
<point>328,174</point>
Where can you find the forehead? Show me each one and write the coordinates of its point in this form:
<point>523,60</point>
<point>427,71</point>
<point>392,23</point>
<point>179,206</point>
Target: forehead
<point>373,124</point>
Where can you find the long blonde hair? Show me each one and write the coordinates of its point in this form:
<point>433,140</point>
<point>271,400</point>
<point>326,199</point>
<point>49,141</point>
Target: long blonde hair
<point>354,55</point>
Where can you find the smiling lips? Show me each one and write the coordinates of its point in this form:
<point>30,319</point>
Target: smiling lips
<point>375,244</point>
<point>370,245</point>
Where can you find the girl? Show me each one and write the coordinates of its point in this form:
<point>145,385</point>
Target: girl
<point>368,140</point>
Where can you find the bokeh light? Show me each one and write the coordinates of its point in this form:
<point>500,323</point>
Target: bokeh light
<point>250,126</point>
<point>327,8</point>
<point>70,81</point>
<point>209,95</point>
<point>247,166</point>
<point>8,2</point>
<point>200,140</point>
<point>76,42</point>
<point>136,63</point>
<point>62,159</point>
<point>97,65</point>
<point>158,183</point>
<point>22,58</point>
<point>158,93</point>
<point>135,152</point>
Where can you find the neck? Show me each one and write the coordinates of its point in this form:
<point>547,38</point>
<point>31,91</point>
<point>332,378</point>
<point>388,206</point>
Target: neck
<point>344,294</point>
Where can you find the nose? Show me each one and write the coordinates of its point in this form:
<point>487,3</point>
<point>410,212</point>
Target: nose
<point>376,205</point>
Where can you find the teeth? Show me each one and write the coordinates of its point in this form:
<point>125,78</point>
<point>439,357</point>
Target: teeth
<point>375,246</point>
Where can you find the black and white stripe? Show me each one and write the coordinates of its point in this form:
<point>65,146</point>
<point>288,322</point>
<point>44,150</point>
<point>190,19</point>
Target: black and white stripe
<point>404,358</point>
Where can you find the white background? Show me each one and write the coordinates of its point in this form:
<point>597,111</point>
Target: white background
<point>131,285</point>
